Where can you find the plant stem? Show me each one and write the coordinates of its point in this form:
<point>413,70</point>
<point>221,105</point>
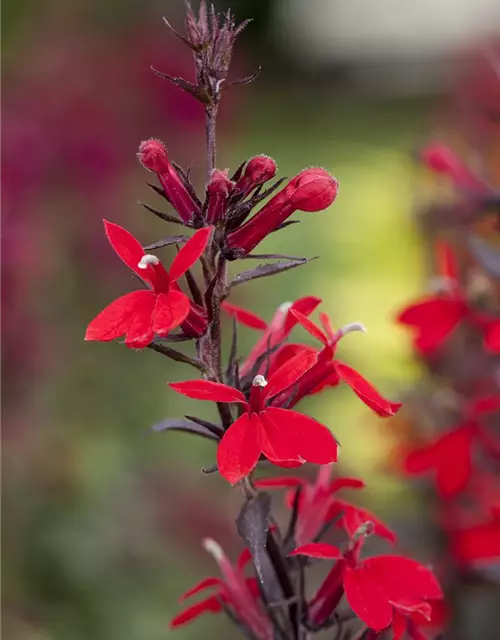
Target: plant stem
<point>210,131</point>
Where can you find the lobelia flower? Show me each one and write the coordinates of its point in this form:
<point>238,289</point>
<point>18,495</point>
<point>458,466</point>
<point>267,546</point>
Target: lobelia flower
<point>434,317</point>
<point>285,437</point>
<point>310,190</point>
<point>274,333</point>
<point>450,455</point>
<point>153,156</point>
<point>318,505</point>
<point>383,591</point>
<point>328,371</point>
<point>235,591</point>
<point>142,314</point>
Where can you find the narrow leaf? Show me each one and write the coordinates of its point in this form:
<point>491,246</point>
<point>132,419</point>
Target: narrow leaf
<point>165,242</point>
<point>178,424</point>
<point>264,270</point>
<point>160,214</point>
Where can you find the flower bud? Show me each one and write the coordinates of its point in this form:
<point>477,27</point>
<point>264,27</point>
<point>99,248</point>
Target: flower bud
<point>310,190</point>
<point>217,191</point>
<point>153,156</point>
<point>259,170</point>
<point>440,158</point>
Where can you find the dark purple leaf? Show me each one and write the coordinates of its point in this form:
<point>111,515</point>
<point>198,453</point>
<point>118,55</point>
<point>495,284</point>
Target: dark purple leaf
<point>178,424</point>
<point>161,214</point>
<point>265,270</point>
<point>165,242</point>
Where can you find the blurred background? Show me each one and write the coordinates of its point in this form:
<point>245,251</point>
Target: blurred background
<point>102,519</point>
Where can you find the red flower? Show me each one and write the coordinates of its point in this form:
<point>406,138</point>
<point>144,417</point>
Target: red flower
<point>450,455</point>
<point>283,436</point>
<point>274,333</point>
<point>310,190</point>
<point>142,314</point>
<point>434,317</point>
<point>438,157</point>
<point>318,504</point>
<point>380,589</point>
<point>235,591</point>
<point>329,371</point>
<point>154,157</point>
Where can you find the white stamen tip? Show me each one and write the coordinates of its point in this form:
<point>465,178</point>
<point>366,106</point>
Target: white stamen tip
<point>354,326</point>
<point>285,306</point>
<point>365,530</point>
<point>213,548</point>
<point>147,260</point>
<point>259,381</point>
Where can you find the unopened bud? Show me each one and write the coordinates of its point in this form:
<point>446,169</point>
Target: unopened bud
<point>153,156</point>
<point>218,189</point>
<point>313,190</point>
<point>259,170</point>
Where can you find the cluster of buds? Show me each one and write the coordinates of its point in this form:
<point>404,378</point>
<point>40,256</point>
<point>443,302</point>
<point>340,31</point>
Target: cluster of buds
<point>257,396</point>
<point>455,418</point>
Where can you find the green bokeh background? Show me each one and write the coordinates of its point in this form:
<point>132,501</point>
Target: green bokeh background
<point>102,518</point>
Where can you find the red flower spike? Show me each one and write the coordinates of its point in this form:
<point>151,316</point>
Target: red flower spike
<point>153,156</point>
<point>275,332</point>
<point>310,190</point>
<point>329,371</point>
<point>283,436</point>
<point>238,593</point>
<point>218,190</point>
<point>259,170</point>
<point>142,314</point>
<point>449,457</point>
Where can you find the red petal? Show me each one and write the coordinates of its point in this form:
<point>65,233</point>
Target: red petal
<point>239,449</point>
<point>403,578</point>
<point>171,309</point>
<point>275,442</point>
<point>309,326</point>
<point>435,318</point>
<point>455,464</point>
<point>366,391</point>
<point>492,337</point>
<point>140,331</point>
<point>305,306</point>
<point>190,253</point>
<point>289,372</point>
<point>210,605</point>
<point>206,390</point>
<point>326,323</point>
<point>312,440</point>
<point>479,543</point>
<point>247,318</point>
<point>281,481</point>
<point>207,583</point>
<point>367,599</point>
<point>446,259</point>
<point>345,483</point>
<point>244,559</point>
<point>317,550</point>
<point>127,247</point>
<point>486,405</point>
<point>116,318</point>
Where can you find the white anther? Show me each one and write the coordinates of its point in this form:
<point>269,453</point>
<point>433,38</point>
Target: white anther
<point>213,548</point>
<point>148,259</point>
<point>259,381</point>
<point>353,326</point>
<point>285,306</point>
